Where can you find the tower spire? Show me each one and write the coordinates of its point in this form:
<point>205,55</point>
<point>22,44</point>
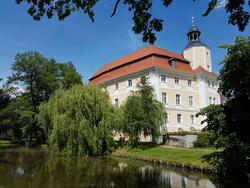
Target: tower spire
<point>192,20</point>
<point>194,33</point>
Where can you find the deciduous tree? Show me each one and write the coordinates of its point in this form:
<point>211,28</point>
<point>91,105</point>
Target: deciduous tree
<point>38,77</point>
<point>143,114</point>
<point>229,121</point>
<point>78,121</point>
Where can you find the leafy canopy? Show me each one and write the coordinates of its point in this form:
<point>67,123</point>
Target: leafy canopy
<point>229,122</point>
<point>143,114</point>
<point>78,121</point>
<point>145,22</point>
<point>235,86</point>
<point>38,77</point>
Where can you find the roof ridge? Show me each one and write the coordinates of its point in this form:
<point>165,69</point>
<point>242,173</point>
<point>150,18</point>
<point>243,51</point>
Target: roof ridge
<point>138,54</point>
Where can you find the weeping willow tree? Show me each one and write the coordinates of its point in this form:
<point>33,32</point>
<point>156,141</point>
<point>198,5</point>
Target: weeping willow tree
<point>78,121</point>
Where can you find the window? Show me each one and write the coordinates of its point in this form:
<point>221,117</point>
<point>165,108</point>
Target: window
<point>178,99</point>
<point>116,86</point>
<point>164,98</point>
<point>214,100</point>
<point>195,36</point>
<point>210,100</point>
<point>209,83</point>
<point>176,80</point>
<point>173,64</point>
<point>191,100</point>
<point>116,102</point>
<point>192,119</point>
<point>213,84</point>
<point>179,120</point>
<point>163,78</point>
<point>130,83</point>
<point>189,83</point>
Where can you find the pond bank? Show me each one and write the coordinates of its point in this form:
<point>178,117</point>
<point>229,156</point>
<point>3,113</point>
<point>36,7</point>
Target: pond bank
<point>180,157</point>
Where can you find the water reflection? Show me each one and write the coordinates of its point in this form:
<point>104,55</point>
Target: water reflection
<point>35,168</point>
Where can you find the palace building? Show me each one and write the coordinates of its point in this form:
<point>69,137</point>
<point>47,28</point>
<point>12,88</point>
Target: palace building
<point>184,83</point>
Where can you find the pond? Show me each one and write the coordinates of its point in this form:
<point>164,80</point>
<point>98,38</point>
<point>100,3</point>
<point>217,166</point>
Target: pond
<point>31,168</point>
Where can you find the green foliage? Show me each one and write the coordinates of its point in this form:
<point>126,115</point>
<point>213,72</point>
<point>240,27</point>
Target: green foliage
<point>133,119</point>
<point>143,114</point>
<point>228,122</point>
<point>233,161</point>
<point>145,22</point>
<point>204,139</point>
<point>79,121</point>
<point>39,77</point>
<point>215,119</point>
<point>4,98</point>
<point>235,86</point>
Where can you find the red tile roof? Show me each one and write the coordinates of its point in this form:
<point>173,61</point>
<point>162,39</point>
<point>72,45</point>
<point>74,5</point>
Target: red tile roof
<point>145,58</point>
<point>200,69</point>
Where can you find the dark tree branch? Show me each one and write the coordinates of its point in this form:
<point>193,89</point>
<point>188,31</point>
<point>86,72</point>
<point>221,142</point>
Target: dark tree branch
<point>116,5</point>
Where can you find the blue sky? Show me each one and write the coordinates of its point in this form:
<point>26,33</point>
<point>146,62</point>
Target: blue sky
<point>90,45</point>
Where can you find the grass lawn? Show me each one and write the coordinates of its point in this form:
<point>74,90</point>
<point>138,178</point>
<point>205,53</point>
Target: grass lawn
<point>178,156</point>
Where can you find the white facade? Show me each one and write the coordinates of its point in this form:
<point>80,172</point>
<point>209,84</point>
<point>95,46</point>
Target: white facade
<point>184,87</point>
<point>192,98</point>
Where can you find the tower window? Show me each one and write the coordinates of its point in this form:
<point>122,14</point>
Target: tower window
<point>195,36</point>
<point>208,68</point>
<point>189,83</point>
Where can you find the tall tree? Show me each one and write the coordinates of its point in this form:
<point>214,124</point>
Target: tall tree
<point>41,76</point>
<point>143,114</point>
<point>145,22</point>
<point>234,82</point>
<point>229,121</point>
<point>38,77</point>
<point>153,111</point>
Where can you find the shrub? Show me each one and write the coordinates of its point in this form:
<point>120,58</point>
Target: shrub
<point>204,139</point>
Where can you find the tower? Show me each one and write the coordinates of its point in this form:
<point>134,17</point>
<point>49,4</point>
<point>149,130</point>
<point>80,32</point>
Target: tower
<point>196,51</point>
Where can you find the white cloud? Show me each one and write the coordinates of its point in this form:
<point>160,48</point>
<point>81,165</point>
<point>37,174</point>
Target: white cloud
<point>134,41</point>
<point>221,4</point>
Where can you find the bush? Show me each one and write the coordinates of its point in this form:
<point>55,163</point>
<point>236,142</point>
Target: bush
<point>204,139</point>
